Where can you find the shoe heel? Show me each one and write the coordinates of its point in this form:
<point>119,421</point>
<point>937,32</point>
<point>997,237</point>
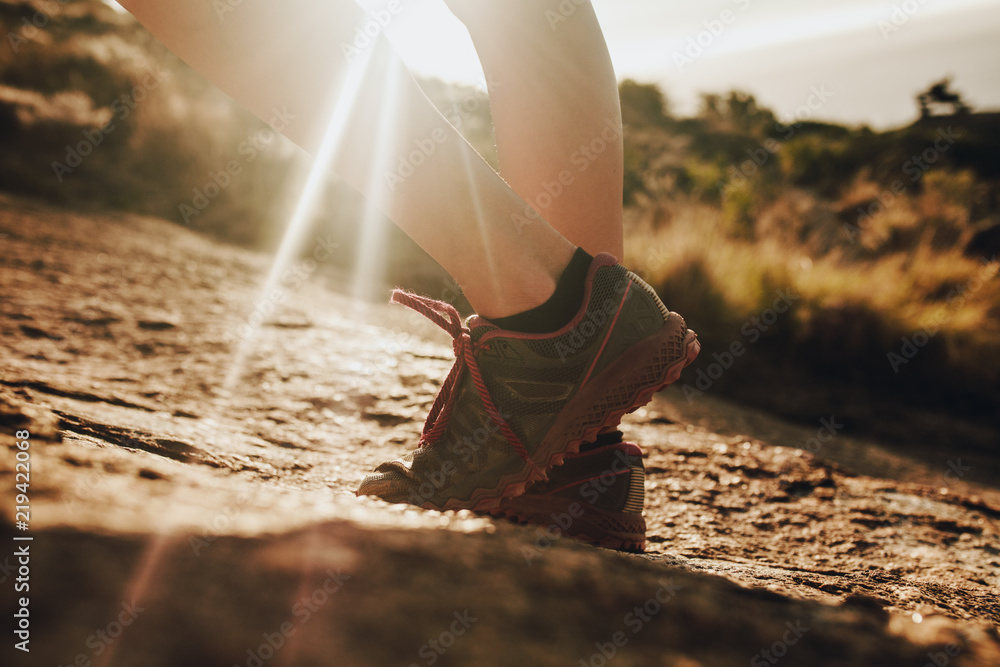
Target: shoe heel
<point>622,387</point>
<point>647,368</point>
<point>636,498</point>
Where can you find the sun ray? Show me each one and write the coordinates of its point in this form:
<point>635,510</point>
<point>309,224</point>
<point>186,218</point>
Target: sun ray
<point>481,224</point>
<point>139,582</point>
<point>371,244</point>
<point>345,97</point>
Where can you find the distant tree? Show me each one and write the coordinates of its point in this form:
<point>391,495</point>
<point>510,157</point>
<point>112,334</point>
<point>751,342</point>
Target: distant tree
<point>940,95</point>
<point>712,107</point>
<point>738,111</point>
<point>742,108</point>
<point>642,103</point>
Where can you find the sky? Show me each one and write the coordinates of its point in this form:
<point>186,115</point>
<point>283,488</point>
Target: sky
<point>868,57</point>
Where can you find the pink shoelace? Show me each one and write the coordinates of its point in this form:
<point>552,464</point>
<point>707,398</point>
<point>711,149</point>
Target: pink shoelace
<point>445,316</point>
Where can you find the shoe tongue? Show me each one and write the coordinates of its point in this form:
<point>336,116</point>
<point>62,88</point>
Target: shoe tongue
<point>478,327</point>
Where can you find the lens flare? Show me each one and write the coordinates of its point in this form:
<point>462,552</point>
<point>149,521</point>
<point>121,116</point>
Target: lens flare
<point>346,96</point>
<point>370,256</point>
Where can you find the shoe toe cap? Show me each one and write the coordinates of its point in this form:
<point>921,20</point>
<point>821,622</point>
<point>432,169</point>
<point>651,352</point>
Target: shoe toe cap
<point>389,482</point>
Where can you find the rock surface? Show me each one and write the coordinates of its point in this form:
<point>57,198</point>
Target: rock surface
<point>191,494</point>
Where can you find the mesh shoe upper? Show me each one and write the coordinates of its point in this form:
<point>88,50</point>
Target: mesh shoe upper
<point>515,403</point>
<point>608,478</point>
<point>596,496</point>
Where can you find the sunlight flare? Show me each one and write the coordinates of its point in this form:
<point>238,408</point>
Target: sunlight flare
<point>371,248</point>
<point>346,96</point>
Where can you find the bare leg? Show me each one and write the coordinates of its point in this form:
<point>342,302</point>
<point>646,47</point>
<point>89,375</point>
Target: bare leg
<point>288,55</point>
<point>555,111</point>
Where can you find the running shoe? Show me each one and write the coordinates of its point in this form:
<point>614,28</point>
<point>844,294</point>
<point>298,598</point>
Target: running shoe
<point>596,495</point>
<point>515,404</point>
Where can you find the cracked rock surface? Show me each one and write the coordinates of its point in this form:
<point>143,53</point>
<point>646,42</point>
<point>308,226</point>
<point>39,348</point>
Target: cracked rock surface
<point>192,502</point>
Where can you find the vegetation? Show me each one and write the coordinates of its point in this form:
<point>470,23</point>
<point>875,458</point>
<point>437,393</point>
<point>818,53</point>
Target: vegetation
<point>887,242</point>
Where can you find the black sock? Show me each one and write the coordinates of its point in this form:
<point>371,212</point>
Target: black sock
<point>561,307</point>
<point>602,440</point>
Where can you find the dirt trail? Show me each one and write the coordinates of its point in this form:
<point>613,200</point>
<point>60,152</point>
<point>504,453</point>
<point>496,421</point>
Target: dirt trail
<point>178,522</point>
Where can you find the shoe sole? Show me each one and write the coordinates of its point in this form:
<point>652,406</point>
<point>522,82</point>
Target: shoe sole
<point>613,530</point>
<point>624,386</point>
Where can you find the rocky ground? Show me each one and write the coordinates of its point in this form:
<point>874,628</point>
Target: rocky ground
<point>191,493</point>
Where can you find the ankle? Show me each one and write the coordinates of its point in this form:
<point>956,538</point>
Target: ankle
<point>560,307</point>
<point>514,291</point>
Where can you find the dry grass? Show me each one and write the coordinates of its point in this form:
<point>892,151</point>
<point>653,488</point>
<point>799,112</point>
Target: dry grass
<point>720,279</point>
